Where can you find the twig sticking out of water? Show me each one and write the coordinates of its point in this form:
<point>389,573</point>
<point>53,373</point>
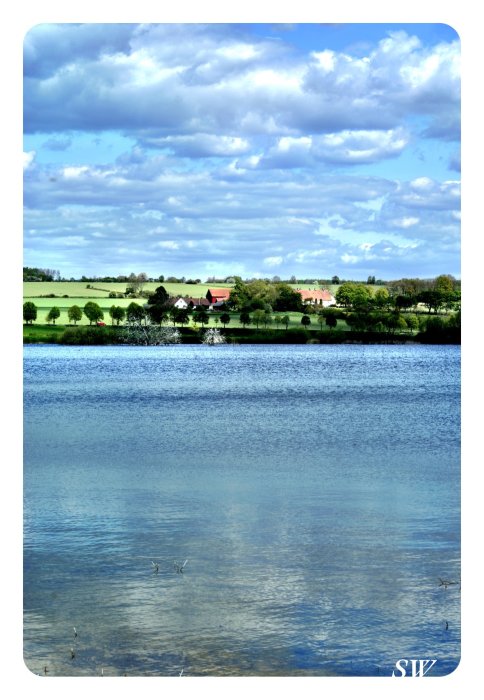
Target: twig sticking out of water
<point>156,567</point>
<point>179,567</point>
<point>181,673</point>
<point>445,582</point>
<point>75,632</point>
<point>73,653</point>
<point>45,670</point>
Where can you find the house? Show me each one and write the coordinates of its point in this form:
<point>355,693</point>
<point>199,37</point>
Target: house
<point>177,302</point>
<point>218,295</point>
<point>317,297</point>
<point>199,301</point>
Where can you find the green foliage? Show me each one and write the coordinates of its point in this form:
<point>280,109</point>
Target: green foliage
<point>74,313</point>
<point>245,319</point>
<point>412,322</point>
<point>135,313</point>
<point>158,313</point>
<point>224,319</point>
<point>306,321</point>
<point>53,314</point>
<point>355,296</point>
<point>180,316</point>
<point>331,318</point>
<point>29,312</point>
<point>82,335</point>
<point>159,297</point>
<point>258,317</point>
<point>93,312</point>
<point>117,314</point>
<point>200,316</point>
<point>287,298</point>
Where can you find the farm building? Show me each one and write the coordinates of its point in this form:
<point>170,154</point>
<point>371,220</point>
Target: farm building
<point>218,295</point>
<point>187,302</point>
<point>317,297</point>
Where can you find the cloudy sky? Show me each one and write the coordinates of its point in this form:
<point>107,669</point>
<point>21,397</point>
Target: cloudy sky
<point>253,149</point>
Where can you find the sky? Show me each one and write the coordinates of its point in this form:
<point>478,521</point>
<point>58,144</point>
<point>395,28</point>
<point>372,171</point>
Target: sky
<point>258,150</point>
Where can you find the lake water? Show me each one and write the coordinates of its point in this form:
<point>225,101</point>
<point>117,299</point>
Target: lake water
<point>314,491</point>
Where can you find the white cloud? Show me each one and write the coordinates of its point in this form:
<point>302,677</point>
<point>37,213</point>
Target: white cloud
<point>28,159</point>
<point>169,245</point>
<point>273,261</point>
<point>406,222</point>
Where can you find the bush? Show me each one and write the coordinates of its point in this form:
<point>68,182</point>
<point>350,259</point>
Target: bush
<point>85,336</point>
<point>213,336</point>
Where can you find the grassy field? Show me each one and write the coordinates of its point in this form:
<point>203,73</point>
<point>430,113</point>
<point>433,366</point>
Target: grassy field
<point>79,290</point>
<point>68,294</point>
<point>214,317</point>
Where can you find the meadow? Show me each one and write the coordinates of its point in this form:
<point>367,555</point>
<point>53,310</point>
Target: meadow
<point>68,294</point>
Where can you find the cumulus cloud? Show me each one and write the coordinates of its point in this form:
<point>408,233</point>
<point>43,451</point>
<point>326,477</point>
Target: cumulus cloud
<point>237,147</point>
<point>28,159</point>
<point>193,79</point>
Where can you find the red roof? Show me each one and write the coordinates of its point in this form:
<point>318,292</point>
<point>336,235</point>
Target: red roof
<point>323,294</point>
<point>220,292</point>
<point>217,294</point>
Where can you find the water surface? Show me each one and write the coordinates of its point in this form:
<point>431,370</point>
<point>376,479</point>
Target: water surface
<point>314,491</point>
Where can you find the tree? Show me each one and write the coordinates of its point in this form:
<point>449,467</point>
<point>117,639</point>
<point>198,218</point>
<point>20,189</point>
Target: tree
<point>335,279</point>
<point>53,314</point>
<point>117,314</point>
<point>245,318</point>
<point>74,313</point>
<point>159,296</point>
<point>331,318</point>
<point>444,283</point>
<point>412,322</point>
<point>135,313</point>
<point>142,279</point>
<point>357,296</point>
<point>224,318</point>
<point>285,320</point>
<point>258,317</point>
<point>200,316</point>
<point>381,299</point>
<point>158,313</point>
<point>30,312</point>
<point>93,312</point>
<point>179,316</point>
<point>267,319</point>
<point>306,321</point>
<point>287,298</point>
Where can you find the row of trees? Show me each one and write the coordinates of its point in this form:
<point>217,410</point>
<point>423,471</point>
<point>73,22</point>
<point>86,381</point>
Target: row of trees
<point>442,295</point>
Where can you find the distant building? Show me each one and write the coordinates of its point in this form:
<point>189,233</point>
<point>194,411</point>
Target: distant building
<point>317,297</point>
<point>180,303</point>
<point>217,295</point>
<point>198,301</point>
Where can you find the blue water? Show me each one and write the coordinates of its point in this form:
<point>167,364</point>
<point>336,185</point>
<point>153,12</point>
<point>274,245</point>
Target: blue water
<point>314,491</point>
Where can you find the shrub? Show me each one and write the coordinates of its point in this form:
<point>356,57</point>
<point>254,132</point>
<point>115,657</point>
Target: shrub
<point>213,336</point>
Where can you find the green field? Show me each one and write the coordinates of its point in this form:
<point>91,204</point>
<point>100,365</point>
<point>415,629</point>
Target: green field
<point>102,289</point>
<point>68,294</point>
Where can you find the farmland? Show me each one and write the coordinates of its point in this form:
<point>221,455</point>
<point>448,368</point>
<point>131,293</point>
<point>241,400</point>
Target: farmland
<point>68,294</point>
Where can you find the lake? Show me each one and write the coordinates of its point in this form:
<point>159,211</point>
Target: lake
<point>313,490</point>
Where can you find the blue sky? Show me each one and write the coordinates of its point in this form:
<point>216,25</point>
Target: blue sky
<point>254,149</point>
